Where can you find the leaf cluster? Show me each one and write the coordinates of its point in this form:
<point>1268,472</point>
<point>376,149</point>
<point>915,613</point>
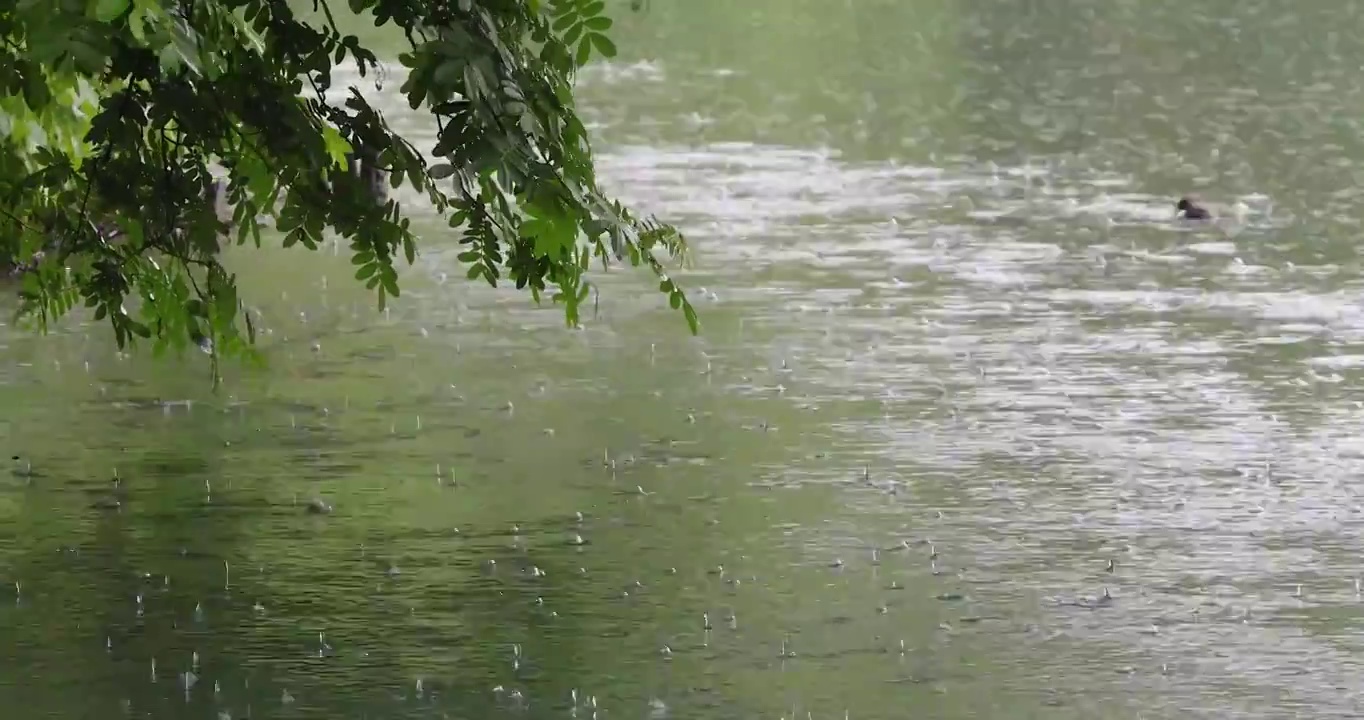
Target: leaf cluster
<point>123,123</point>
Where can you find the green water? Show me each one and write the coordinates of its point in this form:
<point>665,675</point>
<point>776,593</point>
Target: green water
<point>945,312</point>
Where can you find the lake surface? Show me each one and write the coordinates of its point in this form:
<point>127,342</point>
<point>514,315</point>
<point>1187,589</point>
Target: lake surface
<point>974,429</point>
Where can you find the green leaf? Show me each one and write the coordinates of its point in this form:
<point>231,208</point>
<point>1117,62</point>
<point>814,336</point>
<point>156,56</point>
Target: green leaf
<point>37,94</point>
<point>573,34</point>
<point>440,171</point>
<point>599,23</point>
<point>584,52</point>
<point>409,249</point>
<point>89,59</point>
<point>110,10</point>
<point>171,62</point>
<point>603,44</point>
<point>337,148</point>
<point>137,25</point>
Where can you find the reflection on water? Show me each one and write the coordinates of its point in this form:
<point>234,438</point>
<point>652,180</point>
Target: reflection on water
<point>976,427</point>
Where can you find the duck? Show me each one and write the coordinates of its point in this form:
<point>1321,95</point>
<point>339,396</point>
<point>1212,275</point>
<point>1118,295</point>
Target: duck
<point>1189,210</point>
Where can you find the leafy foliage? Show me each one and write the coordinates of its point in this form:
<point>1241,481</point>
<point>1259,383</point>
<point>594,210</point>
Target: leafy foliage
<point>113,112</point>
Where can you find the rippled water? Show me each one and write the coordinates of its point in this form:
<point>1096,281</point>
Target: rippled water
<point>975,427</point>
